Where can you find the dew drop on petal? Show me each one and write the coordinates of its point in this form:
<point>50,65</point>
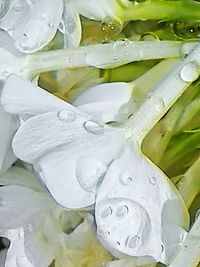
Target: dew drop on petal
<point>133,242</point>
<point>189,72</point>
<point>18,7</point>
<point>67,115</point>
<point>125,178</point>
<point>122,212</point>
<point>94,127</point>
<point>152,180</point>
<point>89,172</point>
<point>107,212</point>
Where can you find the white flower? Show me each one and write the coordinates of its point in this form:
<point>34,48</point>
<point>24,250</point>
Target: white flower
<point>95,10</point>
<point>143,216</point>
<point>38,228</point>
<point>31,24</point>
<point>59,138</point>
<point>68,141</point>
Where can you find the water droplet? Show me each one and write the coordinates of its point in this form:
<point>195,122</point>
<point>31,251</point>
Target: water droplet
<point>70,59</point>
<point>90,172</point>
<point>189,72</point>
<point>126,179</point>
<point>115,58</point>
<point>133,242</point>
<point>18,8</point>
<point>67,115</point>
<point>152,180</point>
<point>94,127</point>
<point>23,42</point>
<point>107,212</point>
<point>51,25</point>
<point>122,212</point>
<point>21,233</point>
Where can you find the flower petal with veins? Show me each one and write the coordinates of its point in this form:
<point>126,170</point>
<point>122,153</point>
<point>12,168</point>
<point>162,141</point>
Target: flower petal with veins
<point>108,102</point>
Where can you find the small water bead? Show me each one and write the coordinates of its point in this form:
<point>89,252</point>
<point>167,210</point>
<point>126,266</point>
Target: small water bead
<point>133,242</point>
<point>67,115</point>
<point>92,126</point>
<point>126,179</point>
<point>18,7</point>
<point>51,25</point>
<point>107,212</point>
<point>189,72</point>
<point>122,212</point>
<point>152,180</point>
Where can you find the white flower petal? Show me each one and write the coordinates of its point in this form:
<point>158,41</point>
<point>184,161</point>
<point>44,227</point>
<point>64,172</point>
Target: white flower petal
<point>19,176</point>
<point>70,26</point>
<point>73,171</point>
<point>25,99</point>
<point>141,194</point>
<point>32,24</point>
<point>97,10</point>
<point>20,205</point>
<point>9,125</point>
<point>106,101</point>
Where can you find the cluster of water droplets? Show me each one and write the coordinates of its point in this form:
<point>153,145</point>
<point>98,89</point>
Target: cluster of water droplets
<point>122,224</point>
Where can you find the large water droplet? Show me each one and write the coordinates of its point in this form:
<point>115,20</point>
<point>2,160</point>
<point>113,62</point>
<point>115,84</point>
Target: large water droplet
<point>90,172</point>
<point>94,127</point>
<point>67,115</point>
<point>189,72</point>
<point>126,179</point>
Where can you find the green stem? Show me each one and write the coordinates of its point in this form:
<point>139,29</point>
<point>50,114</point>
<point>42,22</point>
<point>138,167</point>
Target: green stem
<point>161,10</point>
<point>105,55</point>
<point>189,183</point>
<point>163,97</point>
